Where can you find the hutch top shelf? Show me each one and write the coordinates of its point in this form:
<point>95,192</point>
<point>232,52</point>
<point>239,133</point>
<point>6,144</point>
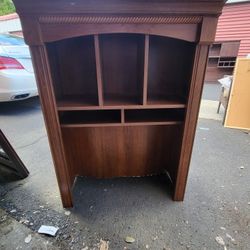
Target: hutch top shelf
<point>46,21</point>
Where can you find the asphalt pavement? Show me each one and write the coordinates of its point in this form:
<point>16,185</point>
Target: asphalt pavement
<point>214,215</point>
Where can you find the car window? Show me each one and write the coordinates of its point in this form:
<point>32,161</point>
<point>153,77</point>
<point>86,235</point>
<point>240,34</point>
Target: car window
<point>11,40</point>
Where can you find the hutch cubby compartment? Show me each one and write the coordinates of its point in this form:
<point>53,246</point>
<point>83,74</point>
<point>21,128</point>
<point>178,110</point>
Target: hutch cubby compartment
<point>134,82</point>
<point>226,62</point>
<point>120,84</point>
<point>73,68</point>
<point>122,68</point>
<point>164,116</point>
<point>90,117</point>
<point>105,117</point>
<point>169,70</point>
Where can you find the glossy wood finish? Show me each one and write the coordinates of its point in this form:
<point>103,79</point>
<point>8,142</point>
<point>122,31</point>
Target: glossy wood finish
<point>104,152</point>
<point>74,72</point>
<point>160,7</point>
<point>122,54</point>
<point>54,32</point>
<point>169,69</point>
<point>99,70</point>
<point>120,83</point>
<point>191,120</point>
<point>44,83</point>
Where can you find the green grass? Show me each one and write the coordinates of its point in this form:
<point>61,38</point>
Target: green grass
<point>6,7</point>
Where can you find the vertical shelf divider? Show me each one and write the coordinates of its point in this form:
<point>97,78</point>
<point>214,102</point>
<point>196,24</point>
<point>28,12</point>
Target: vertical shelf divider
<point>122,116</point>
<point>98,70</point>
<point>145,74</point>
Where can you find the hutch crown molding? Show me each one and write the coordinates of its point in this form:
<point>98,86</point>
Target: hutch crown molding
<point>120,83</point>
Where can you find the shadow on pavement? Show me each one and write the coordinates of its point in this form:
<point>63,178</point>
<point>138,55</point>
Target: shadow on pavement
<point>97,197</point>
<point>19,108</point>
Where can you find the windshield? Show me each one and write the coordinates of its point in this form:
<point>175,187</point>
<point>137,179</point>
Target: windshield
<point>6,39</point>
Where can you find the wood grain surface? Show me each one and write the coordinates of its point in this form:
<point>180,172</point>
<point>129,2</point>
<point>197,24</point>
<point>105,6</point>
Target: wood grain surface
<point>120,83</point>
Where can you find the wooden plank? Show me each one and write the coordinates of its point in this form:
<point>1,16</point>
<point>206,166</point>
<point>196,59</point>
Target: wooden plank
<point>238,109</point>
<point>10,159</point>
<point>89,125</point>
<point>77,106</point>
<point>98,70</point>
<point>122,116</point>
<point>145,76</point>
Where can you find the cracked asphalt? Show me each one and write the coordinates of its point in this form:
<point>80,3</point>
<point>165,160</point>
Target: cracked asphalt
<point>217,202</point>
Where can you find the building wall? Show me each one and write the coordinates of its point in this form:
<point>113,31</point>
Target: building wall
<point>234,25</point>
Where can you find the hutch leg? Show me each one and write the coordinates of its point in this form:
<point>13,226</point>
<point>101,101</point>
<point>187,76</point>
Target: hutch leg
<point>44,82</point>
<point>218,109</point>
<point>199,67</point>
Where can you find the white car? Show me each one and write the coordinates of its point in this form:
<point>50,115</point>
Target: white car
<point>17,80</point>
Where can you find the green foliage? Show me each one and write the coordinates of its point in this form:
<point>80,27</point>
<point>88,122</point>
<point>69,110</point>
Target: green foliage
<point>6,7</point>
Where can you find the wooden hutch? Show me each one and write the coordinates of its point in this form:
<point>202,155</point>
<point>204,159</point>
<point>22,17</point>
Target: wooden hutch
<point>120,83</point>
<point>221,60</point>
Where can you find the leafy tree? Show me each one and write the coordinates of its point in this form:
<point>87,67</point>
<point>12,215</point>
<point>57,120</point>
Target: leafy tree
<point>6,7</point>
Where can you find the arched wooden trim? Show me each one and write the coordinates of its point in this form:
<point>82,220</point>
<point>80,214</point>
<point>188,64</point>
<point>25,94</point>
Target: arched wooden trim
<point>186,32</point>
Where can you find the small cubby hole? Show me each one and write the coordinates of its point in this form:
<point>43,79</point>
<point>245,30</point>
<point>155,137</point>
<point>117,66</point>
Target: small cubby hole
<point>90,117</point>
<point>154,115</point>
<point>212,62</point>
<point>169,69</point>
<point>73,69</point>
<point>215,50</point>
<point>122,60</point>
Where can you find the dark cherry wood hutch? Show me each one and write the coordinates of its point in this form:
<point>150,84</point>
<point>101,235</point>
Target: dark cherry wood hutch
<point>120,83</point>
